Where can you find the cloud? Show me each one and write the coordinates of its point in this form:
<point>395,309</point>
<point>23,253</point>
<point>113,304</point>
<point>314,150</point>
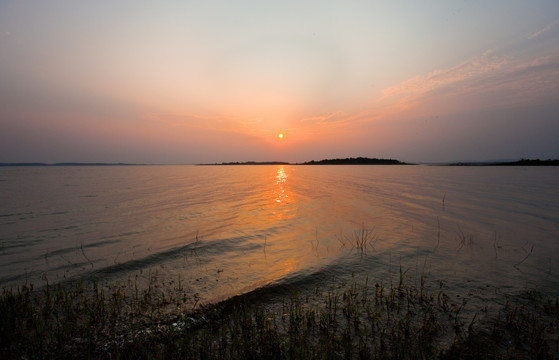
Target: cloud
<point>497,77</point>
<point>542,31</point>
<point>410,90</point>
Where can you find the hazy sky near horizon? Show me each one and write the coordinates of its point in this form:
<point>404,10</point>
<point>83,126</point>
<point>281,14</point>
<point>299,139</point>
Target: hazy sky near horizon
<point>211,81</point>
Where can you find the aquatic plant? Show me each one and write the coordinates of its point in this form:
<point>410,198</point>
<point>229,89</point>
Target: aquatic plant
<point>360,240</point>
<point>352,319</point>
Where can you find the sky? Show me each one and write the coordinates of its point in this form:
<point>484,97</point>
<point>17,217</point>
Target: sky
<point>183,82</point>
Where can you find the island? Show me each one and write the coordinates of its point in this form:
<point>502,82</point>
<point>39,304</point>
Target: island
<point>355,161</point>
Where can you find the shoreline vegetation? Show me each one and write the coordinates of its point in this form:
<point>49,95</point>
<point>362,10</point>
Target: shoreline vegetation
<point>355,161</point>
<point>376,161</point>
<point>521,162</point>
<point>344,161</point>
<point>401,318</point>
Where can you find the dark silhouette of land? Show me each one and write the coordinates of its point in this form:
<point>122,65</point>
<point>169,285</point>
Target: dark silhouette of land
<point>346,161</point>
<point>521,162</point>
<point>69,164</point>
<point>355,161</point>
<point>530,162</point>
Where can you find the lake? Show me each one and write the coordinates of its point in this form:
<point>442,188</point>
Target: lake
<point>227,230</point>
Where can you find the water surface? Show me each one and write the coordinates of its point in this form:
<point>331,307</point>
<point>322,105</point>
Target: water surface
<point>228,230</point>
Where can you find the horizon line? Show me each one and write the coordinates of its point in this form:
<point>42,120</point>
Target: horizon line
<point>310,162</point>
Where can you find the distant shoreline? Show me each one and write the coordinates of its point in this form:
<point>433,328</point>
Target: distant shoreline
<point>70,164</point>
<point>522,162</point>
<point>345,161</point>
<point>375,161</point>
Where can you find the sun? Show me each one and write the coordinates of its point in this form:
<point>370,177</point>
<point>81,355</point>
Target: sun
<point>280,136</point>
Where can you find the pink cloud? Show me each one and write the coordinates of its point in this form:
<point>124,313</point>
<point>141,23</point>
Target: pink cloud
<point>482,65</point>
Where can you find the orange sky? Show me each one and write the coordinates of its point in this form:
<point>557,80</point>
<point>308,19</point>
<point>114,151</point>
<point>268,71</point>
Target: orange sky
<point>176,82</point>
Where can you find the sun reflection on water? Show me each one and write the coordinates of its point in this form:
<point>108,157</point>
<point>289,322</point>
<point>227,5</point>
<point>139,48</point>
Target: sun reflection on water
<point>281,182</point>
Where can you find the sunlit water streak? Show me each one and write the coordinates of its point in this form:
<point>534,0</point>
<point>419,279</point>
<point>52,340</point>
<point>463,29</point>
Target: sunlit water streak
<point>227,230</point>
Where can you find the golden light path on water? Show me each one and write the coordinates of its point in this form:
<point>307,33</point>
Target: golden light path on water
<point>290,229</point>
<point>279,250</point>
<point>281,195</point>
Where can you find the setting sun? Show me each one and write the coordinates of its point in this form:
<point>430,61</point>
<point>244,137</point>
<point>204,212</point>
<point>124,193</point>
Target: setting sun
<point>280,136</point>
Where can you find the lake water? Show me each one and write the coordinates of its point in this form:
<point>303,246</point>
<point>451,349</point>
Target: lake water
<point>228,230</point>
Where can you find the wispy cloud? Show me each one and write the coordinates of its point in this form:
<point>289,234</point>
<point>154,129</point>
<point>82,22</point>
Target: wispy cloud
<point>508,75</point>
<point>410,93</point>
<point>495,77</point>
<point>516,82</point>
<point>543,30</point>
<point>410,90</point>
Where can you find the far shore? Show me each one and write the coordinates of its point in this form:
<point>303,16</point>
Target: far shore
<point>345,161</point>
<point>375,161</point>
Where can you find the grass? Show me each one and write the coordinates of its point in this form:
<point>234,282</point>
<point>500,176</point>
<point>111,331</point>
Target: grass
<point>360,240</point>
<point>353,320</point>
